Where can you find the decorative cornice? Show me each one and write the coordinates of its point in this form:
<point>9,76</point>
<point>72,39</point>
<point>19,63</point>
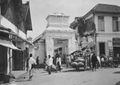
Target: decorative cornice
<point>108,34</point>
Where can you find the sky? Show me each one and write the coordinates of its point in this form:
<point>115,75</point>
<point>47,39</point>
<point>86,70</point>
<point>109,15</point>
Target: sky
<point>40,9</point>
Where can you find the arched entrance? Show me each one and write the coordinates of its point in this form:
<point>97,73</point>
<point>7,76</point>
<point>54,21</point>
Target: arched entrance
<point>61,47</point>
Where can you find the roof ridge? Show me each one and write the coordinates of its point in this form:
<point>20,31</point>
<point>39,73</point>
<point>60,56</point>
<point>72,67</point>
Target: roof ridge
<point>108,4</point>
<point>101,7</point>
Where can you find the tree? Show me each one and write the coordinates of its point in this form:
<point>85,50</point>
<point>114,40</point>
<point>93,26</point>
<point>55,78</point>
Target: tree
<point>90,27</point>
<point>79,23</point>
<point>85,27</point>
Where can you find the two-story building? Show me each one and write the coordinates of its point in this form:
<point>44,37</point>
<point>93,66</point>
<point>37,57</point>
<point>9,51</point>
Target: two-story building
<point>107,21</point>
<point>15,21</point>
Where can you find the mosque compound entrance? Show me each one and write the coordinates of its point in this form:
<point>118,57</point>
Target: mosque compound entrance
<point>61,47</point>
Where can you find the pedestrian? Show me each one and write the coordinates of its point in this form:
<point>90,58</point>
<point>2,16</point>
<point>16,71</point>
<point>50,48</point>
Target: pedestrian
<point>102,61</point>
<point>99,61</point>
<point>31,63</point>
<point>49,64</point>
<point>45,63</point>
<point>111,61</point>
<point>37,60</point>
<point>27,64</point>
<point>94,61</point>
<point>68,60</point>
<point>58,62</point>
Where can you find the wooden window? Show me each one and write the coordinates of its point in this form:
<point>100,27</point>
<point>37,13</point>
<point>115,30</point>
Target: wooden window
<point>115,24</point>
<point>102,48</point>
<point>101,23</point>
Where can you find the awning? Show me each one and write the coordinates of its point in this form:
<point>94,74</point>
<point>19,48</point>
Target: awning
<point>9,31</point>
<point>13,34</point>
<point>8,44</point>
<point>57,47</point>
<point>91,44</point>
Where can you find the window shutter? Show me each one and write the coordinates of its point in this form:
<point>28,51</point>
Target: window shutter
<point>119,25</point>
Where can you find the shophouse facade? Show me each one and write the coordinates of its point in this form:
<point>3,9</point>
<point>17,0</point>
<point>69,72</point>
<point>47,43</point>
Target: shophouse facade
<point>107,21</point>
<point>13,28</point>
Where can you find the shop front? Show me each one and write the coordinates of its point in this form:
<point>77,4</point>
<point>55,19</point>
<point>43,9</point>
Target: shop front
<point>116,47</point>
<point>6,47</point>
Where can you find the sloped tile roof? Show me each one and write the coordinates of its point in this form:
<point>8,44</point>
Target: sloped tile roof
<point>106,8</point>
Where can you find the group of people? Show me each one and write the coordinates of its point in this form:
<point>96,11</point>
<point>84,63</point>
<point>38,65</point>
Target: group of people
<point>53,63</point>
<point>101,61</point>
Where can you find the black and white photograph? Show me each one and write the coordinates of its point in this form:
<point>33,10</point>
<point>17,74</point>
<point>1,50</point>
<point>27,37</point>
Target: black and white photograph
<point>59,42</point>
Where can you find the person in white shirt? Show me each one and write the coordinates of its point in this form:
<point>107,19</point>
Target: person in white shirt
<point>58,62</point>
<point>99,61</point>
<point>31,63</point>
<point>49,63</point>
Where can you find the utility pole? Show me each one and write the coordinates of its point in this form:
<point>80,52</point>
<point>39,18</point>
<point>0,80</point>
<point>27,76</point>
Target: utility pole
<point>0,15</point>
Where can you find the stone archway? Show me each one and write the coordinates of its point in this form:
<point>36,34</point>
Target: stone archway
<point>61,47</point>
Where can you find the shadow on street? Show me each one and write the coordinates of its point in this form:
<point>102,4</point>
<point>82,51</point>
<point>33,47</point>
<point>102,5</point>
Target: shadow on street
<point>117,72</point>
<point>118,83</point>
<point>74,70</point>
<point>22,78</point>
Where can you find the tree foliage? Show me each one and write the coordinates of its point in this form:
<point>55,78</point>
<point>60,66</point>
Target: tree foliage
<point>85,27</point>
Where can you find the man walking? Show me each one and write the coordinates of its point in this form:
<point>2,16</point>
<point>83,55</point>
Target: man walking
<point>94,61</point>
<point>49,63</point>
<point>58,62</point>
<point>31,63</point>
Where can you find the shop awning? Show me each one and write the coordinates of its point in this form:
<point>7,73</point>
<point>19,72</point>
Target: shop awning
<point>91,44</point>
<point>8,44</point>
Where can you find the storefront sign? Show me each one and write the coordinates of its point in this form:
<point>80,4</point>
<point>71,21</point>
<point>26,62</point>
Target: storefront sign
<point>116,42</point>
<point>109,43</point>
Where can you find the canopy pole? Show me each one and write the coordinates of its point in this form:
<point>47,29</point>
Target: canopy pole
<point>7,61</point>
<point>10,56</point>
<point>0,15</point>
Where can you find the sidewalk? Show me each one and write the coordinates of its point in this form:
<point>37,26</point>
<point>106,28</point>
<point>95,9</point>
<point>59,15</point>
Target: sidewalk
<point>18,73</point>
<point>22,76</point>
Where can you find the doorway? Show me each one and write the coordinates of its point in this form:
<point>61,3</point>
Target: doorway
<point>102,48</point>
<point>61,47</point>
<point>3,60</point>
<point>116,51</point>
<point>18,60</point>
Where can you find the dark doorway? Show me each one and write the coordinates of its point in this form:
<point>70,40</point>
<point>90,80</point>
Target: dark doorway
<point>3,60</point>
<point>18,60</point>
<point>116,51</point>
<point>102,48</point>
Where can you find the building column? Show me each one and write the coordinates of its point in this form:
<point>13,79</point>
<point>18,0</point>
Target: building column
<point>0,15</point>
<point>49,46</point>
<point>97,49</point>
<point>110,48</point>
<point>8,62</point>
<point>71,45</point>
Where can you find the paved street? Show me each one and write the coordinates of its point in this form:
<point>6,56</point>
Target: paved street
<point>107,76</point>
